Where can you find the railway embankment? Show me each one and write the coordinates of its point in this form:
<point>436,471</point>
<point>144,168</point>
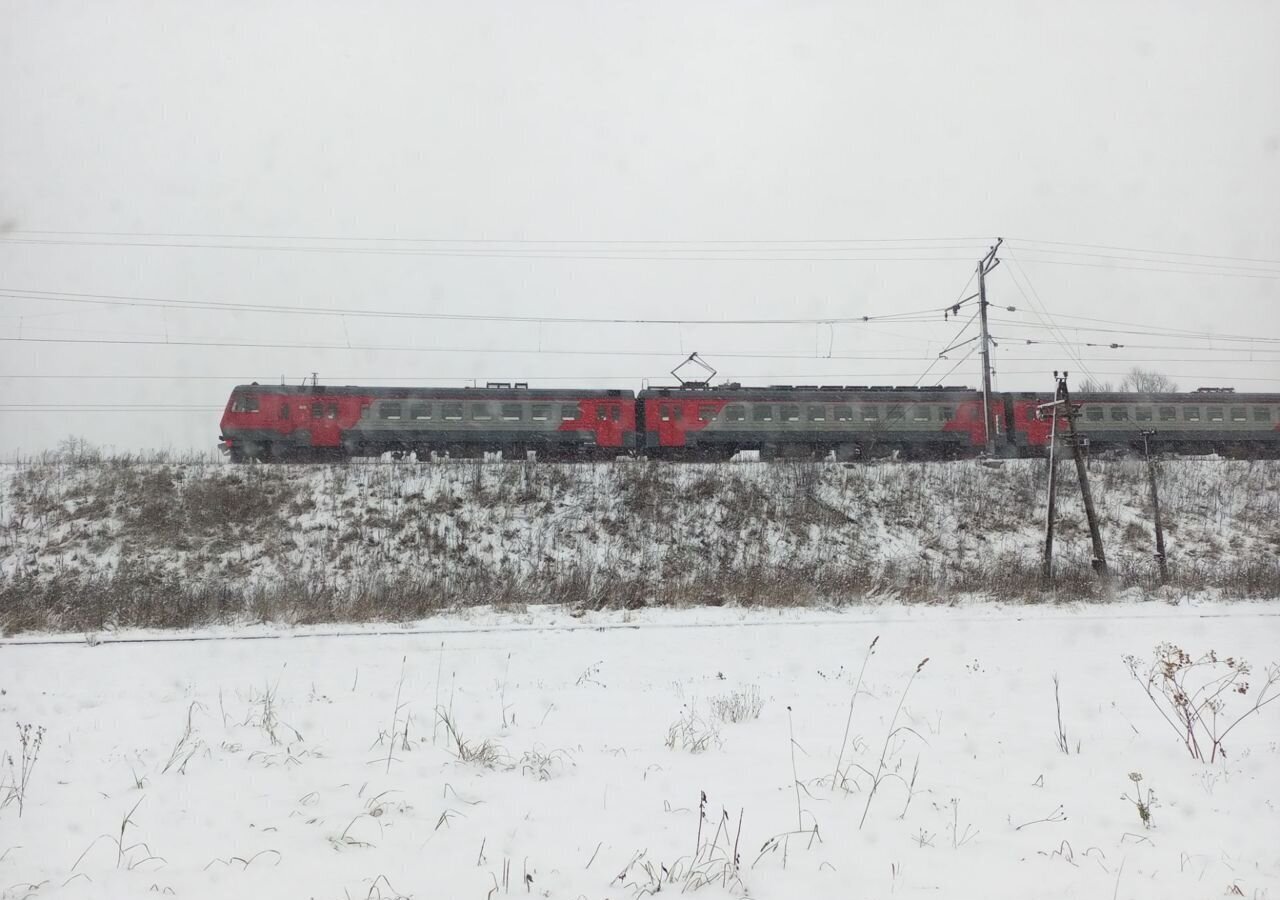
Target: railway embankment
<point>87,544</point>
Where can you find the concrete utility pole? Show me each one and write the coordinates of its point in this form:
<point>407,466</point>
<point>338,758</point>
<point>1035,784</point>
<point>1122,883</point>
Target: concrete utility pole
<point>1077,450</point>
<point>1155,505</point>
<point>986,266</point>
<point>1054,411</point>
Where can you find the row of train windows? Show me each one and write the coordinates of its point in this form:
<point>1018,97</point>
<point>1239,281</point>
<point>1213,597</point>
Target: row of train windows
<point>790,412</point>
<point>1170,413</point>
<point>487,412</point>
<point>249,403</point>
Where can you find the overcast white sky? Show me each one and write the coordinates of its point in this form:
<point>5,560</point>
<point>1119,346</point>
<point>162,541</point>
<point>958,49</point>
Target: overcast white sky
<point>1128,125</point>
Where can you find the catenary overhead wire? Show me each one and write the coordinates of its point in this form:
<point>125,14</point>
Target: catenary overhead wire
<point>925,314</point>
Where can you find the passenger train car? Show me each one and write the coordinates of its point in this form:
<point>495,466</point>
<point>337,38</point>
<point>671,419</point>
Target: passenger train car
<point>320,422</point>
<point>707,422</point>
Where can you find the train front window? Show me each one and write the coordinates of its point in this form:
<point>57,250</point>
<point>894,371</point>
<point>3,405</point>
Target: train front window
<point>245,403</point>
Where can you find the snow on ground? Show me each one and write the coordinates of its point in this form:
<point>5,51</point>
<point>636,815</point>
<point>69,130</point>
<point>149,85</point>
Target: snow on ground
<point>290,785</point>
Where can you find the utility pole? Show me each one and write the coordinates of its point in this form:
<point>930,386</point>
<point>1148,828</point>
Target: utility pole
<point>986,266</point>
<point>1077,450</point>
<point>1155,505</point>
<point>1054,411</point>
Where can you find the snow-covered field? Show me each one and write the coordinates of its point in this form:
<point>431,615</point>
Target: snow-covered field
<point>313,766</point>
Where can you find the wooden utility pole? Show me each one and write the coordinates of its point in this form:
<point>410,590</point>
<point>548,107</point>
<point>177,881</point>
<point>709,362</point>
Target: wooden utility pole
<point>1155,505</point>
<point>1077,451</point>
<point>986,266</point>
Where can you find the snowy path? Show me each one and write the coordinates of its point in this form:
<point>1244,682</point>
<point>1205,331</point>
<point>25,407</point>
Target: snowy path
<point>284,789</point>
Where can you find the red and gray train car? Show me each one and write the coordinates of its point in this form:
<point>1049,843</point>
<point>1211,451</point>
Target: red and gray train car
<point>710,422</point>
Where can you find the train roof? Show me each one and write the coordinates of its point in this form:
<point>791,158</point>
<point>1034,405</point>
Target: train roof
<point>492,391</point>
<point>808,392</point>
<point>1200,396</point>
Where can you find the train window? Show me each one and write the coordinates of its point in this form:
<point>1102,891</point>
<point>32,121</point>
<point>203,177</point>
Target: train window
<point>843,413</point>
<point>789,413</point>
<point>602,414</point>
<point>735,413</point>
<point>762,412</point>
<point>1142,413</point>
<point>245,403</point>
<point>921,413</point>
<point>284,410</point>
<point>664,412</point>
<point>386,410</point>
<point>317,410</point>
<point>896,413</point>
<point>568,412</point>
<point>870,413</point>
<point>1168,414</point>
<point>948,413</point>
<point>1215,413</point>
<point>481,412</point>
<point>1191,413</point>
<point>1261,414</point>
<point>539,412</point>
<point>420,411</point>
<point>511,412</point>
<point>331,411</point>
<point>1093,413</point>
<point>817,414</point>
<point>1119,414</point>
<point>451,411</point>
<point>1238,414</point>
<point>706,412</point>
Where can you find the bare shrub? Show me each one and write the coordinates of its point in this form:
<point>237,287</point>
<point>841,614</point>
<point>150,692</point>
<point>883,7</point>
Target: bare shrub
<point>737,706</point>
<point>14,788</point>
<point>1191,694</point>
<point>692,733</point>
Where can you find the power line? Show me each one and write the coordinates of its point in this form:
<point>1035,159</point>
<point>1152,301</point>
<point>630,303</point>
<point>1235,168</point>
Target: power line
<point>1103,265</point>
<point>491,241</point>
<point>516,254</point>
<point>354,312</point>
<point>1148,251</point>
